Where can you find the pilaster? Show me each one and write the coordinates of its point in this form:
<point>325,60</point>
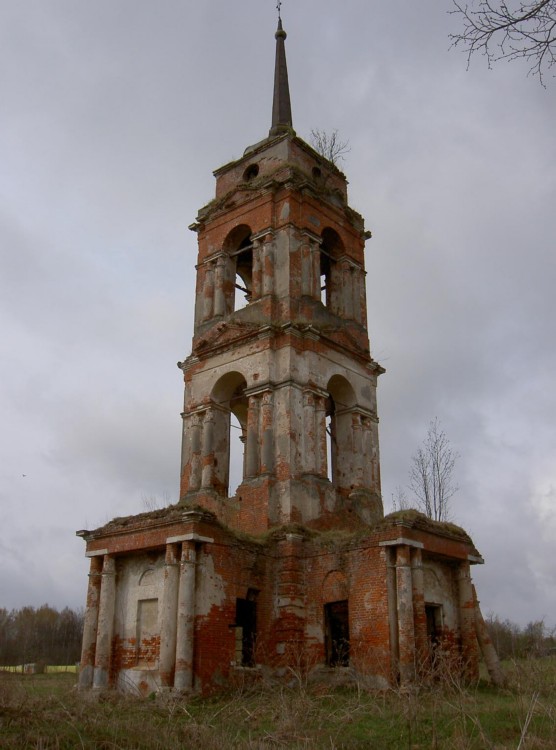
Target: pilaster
<point>107,601</point>
<point>90,625</point>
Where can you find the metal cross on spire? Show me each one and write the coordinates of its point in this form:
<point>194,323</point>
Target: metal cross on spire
<point>281,106</point>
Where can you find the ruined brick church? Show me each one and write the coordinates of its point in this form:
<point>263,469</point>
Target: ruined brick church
<point>297,566</point>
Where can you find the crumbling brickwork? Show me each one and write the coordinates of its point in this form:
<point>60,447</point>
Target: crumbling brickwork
<point>297,567</point>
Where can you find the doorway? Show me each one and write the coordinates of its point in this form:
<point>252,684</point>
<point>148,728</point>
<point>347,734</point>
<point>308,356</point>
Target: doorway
<point>246,628</point>
<point>433,614</point>
<point>336,630</point>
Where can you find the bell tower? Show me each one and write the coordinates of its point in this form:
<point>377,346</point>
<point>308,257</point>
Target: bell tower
<point>280,359</point>
<point>186,597</point>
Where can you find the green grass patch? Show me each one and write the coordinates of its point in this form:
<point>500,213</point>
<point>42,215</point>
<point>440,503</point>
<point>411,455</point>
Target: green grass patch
<point>46,711</point>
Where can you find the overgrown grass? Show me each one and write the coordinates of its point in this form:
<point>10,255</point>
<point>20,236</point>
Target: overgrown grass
<point>47,668</point>
<point>44,712</point>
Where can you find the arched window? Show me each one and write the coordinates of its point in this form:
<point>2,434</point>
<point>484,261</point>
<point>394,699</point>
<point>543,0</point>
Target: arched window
<point>230,428</point>
<point>239,250</point>
<point>331,249</point>
<point>244,274</point>
<point>339,426</point>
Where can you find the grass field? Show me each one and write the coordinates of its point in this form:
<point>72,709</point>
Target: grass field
<point>48,668</point>
<point>45,711</point>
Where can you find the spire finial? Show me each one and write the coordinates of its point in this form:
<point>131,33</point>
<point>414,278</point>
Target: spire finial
<point>281,105</point>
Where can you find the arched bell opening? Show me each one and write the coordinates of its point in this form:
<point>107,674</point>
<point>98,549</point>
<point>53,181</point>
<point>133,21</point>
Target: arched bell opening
<point>230,430</point>
<point>342,447</point>
<point>331,249</point>
<point>239,251</point>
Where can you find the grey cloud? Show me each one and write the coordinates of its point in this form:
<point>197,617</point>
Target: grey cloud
<point>114,115</point>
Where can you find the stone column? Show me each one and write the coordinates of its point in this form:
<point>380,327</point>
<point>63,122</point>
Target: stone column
<point>391,589</point>
<point>185,641</point>
<point>107,603</point>
<point>256,283</point>
<point>315,252</point>
<point>185,456</point>
<point>358,283</point>
<point>306,270</point>
<point>268,265</point>
<point>469,649</point>
<point>358,460</point>
<point>375,458</point>
<point>207,458</point>
<point>347,291</point>
<point>366,453</point>
<point>419,614</point>
<point>90,624</point>
<point>406,632</point>
<point>335,297</point>
<point>168,628</point>
<point>208,292</point>
<point>219,293</point>
<point>252,445</point>
<point>309,442</point>
<point>195,453</point>
<point>320,437</point>
<point>290,625</point>
<point>267,429</point>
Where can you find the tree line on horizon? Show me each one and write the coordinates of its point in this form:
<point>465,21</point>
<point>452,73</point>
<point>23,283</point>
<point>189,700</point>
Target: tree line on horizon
<point>41,635</point>
<point>47,636</point>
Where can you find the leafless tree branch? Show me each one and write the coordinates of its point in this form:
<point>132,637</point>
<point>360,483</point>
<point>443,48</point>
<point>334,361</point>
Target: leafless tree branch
<point>513,30</point>
<point>431,473</point>
<point>329,145</point>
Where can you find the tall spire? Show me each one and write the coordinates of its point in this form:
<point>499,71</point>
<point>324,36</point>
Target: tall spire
<point>281,106</point>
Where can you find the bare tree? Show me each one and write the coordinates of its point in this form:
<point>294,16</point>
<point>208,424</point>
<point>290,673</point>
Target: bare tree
<point>431,473</point>
<point>399,499</point>
<point>329,145</point>
<point>506,30</point>
<point>154,502</point>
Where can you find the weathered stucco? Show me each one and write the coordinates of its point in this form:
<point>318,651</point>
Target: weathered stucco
<point>298,565</point>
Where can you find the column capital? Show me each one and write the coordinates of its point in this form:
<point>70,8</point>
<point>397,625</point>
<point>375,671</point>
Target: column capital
<point>265,235</point>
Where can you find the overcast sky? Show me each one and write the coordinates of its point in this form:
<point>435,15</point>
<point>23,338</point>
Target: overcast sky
<point>114,114</point>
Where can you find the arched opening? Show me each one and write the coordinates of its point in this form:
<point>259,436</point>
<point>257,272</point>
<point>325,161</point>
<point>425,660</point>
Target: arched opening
<point>251,172</point>
<point>239,249</point>
<point>330,250</point>
<point>342,460</point>
<point>244,274</point>
<point>230,407</point>
<point>317,174</point>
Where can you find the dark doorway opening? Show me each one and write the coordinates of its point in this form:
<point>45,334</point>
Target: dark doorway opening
<point>336,628</point>
<point>433,613</point>
<point>246,628</point>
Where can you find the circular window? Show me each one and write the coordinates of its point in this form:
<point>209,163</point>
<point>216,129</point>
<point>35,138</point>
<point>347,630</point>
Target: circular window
<point>251,172</point>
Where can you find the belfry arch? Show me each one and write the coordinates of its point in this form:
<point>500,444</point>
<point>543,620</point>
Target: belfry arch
<point>331,249</point>
<point>238,249</point>
<point>227,398</point>
<point>342,422</point>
